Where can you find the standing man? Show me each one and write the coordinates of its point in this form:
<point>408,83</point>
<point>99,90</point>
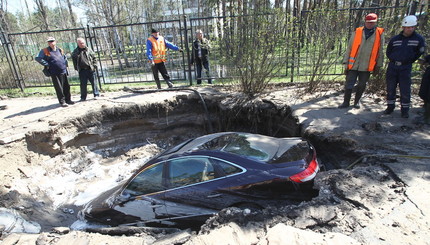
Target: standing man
<point>200,55</point>
<point>403,50</point>
<point>363,56</point>
<point>156,47</point>
<point>84,62</point>
<point>55,61</point>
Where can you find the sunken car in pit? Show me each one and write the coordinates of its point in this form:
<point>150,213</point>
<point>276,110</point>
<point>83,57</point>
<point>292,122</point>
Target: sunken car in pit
<point>197,178</point>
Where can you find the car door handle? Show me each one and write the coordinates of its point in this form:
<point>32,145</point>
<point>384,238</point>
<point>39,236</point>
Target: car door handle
<point>214,195</point>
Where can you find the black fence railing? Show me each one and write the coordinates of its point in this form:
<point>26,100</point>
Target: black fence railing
<point>313,47</point>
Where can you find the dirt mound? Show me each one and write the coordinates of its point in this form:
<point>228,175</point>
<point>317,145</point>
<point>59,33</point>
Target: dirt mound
<point>54,159</point>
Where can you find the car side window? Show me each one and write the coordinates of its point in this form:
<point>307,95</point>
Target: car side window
<point>148,181</point>
<point>226,168</point>
<point>186,171</point>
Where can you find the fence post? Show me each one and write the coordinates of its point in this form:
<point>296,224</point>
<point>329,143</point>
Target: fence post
<point>11,58</point>
<point>190,79</point>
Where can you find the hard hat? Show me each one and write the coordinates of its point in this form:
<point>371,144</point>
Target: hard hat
<point>50,39</point>
<point>410,20</point>
<point>372,17</point>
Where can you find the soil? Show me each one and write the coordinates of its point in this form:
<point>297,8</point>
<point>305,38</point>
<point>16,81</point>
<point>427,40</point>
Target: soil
<point>373,187</point>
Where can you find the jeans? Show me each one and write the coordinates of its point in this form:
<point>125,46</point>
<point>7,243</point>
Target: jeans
<point>199,66</point>
<point>84,77</point>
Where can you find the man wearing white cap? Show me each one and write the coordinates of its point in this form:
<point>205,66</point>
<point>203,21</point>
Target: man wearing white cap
<point>403,50</point>
<point>55,61</point>
<point>363,56</point>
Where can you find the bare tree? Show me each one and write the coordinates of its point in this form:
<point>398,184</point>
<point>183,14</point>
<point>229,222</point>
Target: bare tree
<point>42,13</point>
<point>256,49</point>
<point>4,22</point>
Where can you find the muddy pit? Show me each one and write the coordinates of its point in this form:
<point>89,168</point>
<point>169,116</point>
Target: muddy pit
<point>103,147</point>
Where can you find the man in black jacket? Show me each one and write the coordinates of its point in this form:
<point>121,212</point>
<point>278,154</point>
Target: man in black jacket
<point>200,55</point>
<point>402,51</point>
<point>84,62</point>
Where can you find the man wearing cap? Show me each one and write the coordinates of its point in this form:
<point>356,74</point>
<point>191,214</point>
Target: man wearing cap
<point>402,50</point>
<point>156,47</point>
<point>363,56</point>
<point>200,55</point>
<point>54,59</point>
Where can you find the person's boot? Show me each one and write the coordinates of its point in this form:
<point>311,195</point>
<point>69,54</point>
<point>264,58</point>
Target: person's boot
<point>158,84</point>
<point>358,95</point>
<point>405,112</point>
<point>170,84</point>
<point>346,98</point>
<point>389,110</point>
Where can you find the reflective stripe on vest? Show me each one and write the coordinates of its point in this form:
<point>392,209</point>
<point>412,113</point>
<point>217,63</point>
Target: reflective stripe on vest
<point>356,45</point>
<point>158,49</point>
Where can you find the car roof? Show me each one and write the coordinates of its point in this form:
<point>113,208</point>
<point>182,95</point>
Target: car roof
<point>262,147</point>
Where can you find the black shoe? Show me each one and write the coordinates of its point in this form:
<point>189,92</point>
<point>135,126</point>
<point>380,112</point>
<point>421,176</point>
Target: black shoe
<point>388,111</point>
<point>64,105</point>
<point>170,84</point>
<point>344,105</point>
<point>356,106</point>
<point>405,114</point>
<point>70,102</point>
<point>82,100</point>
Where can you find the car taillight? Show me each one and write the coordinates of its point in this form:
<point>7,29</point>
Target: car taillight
<point>307,174</point>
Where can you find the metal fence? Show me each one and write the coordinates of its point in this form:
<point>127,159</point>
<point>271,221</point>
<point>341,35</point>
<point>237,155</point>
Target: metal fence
<point>313,47</point>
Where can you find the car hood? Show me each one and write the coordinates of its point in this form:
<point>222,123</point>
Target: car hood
<point>105,199</point>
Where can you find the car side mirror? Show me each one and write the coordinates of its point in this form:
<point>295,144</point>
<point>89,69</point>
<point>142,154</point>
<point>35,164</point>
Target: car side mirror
<point>121,199</point>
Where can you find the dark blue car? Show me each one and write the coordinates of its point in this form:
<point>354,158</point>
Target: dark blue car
<point>195,179</point>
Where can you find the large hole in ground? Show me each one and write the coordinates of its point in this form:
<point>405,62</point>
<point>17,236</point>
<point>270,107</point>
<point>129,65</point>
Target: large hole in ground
<point>97,150</point>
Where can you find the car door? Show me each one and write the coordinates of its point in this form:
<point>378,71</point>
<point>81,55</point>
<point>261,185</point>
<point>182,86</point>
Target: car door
<point>143,198</point>
<point>194,187</point>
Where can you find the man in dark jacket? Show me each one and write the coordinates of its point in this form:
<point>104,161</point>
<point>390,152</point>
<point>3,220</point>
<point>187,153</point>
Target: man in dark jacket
<point>402,51</point>
<point>200,55</point>
<point>55,62</point>
<point>84,62</point>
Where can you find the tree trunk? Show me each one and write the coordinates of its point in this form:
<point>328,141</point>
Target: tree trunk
<point>72,16</point>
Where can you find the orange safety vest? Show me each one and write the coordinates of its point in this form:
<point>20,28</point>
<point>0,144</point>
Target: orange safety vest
<point>158,49</point>
<point>356,45</point>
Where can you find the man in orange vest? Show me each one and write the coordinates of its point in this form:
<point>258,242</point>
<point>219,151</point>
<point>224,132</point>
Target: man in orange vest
<point>156,47</point>
<point>363,56</point>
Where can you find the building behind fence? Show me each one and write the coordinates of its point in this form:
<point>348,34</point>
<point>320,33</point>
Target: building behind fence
<point>313,47</point>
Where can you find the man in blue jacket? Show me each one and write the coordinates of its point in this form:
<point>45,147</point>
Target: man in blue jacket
<point>54,59</point>
<point>402,50</point>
